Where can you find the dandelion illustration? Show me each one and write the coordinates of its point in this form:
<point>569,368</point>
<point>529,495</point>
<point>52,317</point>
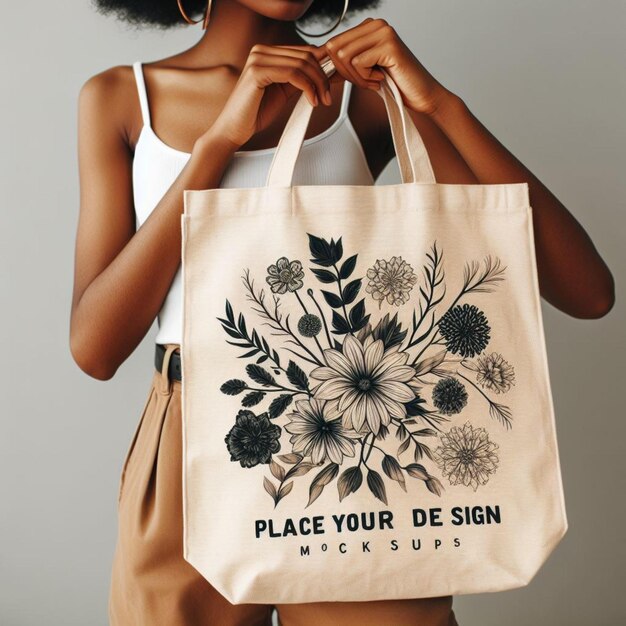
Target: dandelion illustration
<point>365,382</point>
<point>391,281</point>
<point>253,439</point>
<point>318,432</point>
<point>449,395</point>
<point>285,275</point>
<point>466,456</point>
<point>465,330</point>
<point>309,325</point>
<point>494,373</point>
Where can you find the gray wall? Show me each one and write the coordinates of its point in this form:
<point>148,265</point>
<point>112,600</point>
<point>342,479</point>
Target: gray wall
<point>547,78</point>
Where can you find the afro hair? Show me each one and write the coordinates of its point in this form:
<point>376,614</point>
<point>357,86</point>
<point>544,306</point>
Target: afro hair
<point>164,14</point>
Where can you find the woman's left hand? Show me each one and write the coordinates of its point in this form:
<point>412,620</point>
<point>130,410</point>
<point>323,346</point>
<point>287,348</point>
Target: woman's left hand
<point>358,53</point>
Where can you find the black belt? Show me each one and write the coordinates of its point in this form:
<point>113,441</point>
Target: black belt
<point>174,370</point>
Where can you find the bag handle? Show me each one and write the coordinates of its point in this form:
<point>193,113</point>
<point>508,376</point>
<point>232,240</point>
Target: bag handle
<point>413,159</point>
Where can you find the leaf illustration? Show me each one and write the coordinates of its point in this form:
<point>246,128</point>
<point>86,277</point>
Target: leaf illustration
<point>337,248</point>
<point>260,375</point>
<point>233,387</point>
<point>427,365</point>
<point>383,431</point>
<point>349,481</point>
<point>416,407</point>
<point>324,276</point>
<point>425,432</point>
<point>358,319</point>
<point>421,451</point>
<point>392,468</point>
<point>285,489</point>
<point>389,331</point>
<point>402,432</point>
<point>434,486</point>
<point>297,377</point>
<point>242,325</point>
<point>252,399</point>
<point>417,471</point>
<point>403,446</point>
<point>254,344</point>
<point>279,405</point>
<point>300,470</point>
<point>324,253</point>
<point>376,485</point>
<point>332,299</point>
<point>340,324</point>
<point>351,291</point>
<point>357,312</point>
<point>348,267</point>
<point>322,479</point>
<point>269,487</point>
<point>290,458</point>
<point>277,470</point>
<point>229,312</point>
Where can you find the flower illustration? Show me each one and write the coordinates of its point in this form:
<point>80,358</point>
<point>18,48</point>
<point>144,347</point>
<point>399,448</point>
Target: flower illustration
<point>466,456</point>
<point>494,373</point>
<point>309,325</point>
<point>365,382</point>
<point>318,432</point>
<point>465,330</point>
<point>253,439</point>
<point>285,275</point>
<point>391,280</point>
<point>449,395</point>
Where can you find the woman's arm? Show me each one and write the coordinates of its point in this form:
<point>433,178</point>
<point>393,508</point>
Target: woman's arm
<point>572,275</point>
<point>121,275</point>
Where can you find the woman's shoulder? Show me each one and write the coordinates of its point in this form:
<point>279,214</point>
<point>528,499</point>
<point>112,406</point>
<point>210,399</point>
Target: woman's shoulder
<point>110,82</point>
<point>110,96</point>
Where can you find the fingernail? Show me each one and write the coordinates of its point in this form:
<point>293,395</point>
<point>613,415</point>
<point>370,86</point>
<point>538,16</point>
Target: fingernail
<point>327,96</point>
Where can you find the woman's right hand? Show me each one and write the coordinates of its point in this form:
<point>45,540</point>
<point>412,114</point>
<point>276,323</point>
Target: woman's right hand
<point>271,76</point>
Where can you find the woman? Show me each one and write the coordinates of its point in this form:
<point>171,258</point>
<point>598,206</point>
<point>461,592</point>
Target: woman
<point>208,117</point>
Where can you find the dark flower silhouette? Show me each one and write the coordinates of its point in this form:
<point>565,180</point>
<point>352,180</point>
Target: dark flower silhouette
<point>465,330</point>
<point>309,325</point>
<point>449,396</point>
<point>253,439</point>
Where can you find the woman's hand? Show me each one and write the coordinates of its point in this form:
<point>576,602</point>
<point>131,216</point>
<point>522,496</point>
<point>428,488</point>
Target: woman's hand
<point>359,52</point>
<point>271,76</point>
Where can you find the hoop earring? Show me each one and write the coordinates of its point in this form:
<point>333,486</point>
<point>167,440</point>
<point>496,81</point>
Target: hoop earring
<point>204,20</point>
<point>330,30</point>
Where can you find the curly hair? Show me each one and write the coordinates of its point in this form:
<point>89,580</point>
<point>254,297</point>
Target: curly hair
<point>164,14</point>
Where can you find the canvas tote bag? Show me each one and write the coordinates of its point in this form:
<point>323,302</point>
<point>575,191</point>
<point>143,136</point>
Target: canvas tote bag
<point>367,410</point>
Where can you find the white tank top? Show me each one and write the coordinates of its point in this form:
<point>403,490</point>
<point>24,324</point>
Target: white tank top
<point>334,157</point>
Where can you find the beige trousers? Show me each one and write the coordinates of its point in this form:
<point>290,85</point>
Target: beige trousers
<point>152,584</point>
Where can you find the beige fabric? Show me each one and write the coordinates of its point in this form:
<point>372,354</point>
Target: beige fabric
<point>152,584</point>
<point>412,453</point>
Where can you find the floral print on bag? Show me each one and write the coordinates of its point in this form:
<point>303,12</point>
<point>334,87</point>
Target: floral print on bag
<point>333,385</point>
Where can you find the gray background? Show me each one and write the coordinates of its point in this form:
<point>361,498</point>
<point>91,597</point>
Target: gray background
<point>547,78</point>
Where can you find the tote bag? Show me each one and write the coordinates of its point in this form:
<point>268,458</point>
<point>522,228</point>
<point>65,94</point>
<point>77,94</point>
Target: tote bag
<point>366,401</point>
